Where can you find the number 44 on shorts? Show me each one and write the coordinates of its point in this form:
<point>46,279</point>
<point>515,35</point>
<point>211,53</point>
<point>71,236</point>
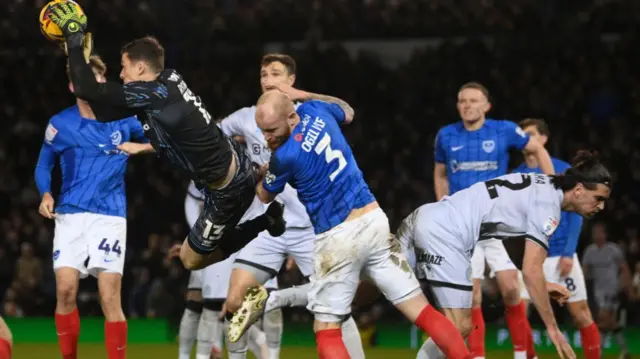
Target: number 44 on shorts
<point>115,248</point>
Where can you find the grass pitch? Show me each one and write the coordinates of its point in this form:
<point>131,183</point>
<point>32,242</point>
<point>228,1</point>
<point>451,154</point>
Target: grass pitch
<point>170,351</point>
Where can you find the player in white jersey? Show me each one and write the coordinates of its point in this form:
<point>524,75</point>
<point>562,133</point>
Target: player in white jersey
<point>562,264</point>
<point>263,257</point>
<point>514,207</point>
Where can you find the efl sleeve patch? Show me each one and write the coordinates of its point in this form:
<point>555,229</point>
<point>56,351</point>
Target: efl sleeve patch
<point>550,226</point>
<point>50,133</point>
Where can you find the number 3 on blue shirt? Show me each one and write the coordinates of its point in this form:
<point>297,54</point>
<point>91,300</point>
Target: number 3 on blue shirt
<point>330,155</point>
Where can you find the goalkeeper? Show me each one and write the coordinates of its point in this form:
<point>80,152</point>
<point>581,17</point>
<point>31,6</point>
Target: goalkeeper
<point>180,128</point>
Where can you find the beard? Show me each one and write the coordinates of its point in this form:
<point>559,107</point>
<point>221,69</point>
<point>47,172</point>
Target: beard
<point>278,141</point>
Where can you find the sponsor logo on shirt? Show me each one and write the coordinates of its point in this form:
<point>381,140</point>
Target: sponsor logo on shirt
<point>473,166</point>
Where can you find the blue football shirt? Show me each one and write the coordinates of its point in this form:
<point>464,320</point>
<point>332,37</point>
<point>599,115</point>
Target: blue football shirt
<point>92,167</point>
<point>475,156</point>
<point>319,163</point>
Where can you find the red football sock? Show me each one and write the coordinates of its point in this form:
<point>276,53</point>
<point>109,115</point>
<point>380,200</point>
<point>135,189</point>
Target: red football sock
<point>68,330</point>
<point>330,344</point>
<point>5,349</point>
<point>516,318</point>
<point>590,337</point>
<point>115,338</point>
<point>476,336</point>
<point>443,332</point>
<point>531,345</point>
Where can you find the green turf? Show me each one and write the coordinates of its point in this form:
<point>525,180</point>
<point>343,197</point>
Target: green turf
<point>170,351</point>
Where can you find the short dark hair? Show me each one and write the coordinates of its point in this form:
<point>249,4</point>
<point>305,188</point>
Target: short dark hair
<point>587,169</point>
<point>476,86</point>
<point>96,64</point>
<point>539,123</point>
<point>147,49</point>
<point>286,60</point>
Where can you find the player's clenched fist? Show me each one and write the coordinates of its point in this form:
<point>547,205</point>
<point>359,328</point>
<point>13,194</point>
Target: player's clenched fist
<point>70,21</point>
<point>46,206</point>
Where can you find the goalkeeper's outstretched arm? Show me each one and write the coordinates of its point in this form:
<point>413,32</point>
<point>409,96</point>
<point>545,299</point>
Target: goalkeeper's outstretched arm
<point>124,100</point>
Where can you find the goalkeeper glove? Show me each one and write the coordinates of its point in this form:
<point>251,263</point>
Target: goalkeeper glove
<point>87,47</point>
<point>70,21</point>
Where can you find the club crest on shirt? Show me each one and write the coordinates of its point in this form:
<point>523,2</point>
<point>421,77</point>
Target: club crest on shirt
<point>116,138</point>
<point>488,146</point>
<point>50,133</point>
<point>550,226</point>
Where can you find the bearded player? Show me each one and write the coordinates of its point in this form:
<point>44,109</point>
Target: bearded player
<point>352,232</point>
<point>477,149</point>
<point>263,257</point>
<point>180,128</point>
<point>90,214</point>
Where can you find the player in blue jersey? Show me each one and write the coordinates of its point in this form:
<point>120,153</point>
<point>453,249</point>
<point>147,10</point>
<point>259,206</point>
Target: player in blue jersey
<point>562,265</point>
<point>263,257</point>
<point>352,232</point>
<point>473,150</point>
<point>90,213</point>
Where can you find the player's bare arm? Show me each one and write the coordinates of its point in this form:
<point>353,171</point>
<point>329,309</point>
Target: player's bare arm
<point>134,148</point>
<point>299,95</point>
<point>264,195</point>
<point>440,181</point>
<point>534,279</point>
<point>541,154</point>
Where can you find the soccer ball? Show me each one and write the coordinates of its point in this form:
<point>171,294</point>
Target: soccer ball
<point>50,30</point>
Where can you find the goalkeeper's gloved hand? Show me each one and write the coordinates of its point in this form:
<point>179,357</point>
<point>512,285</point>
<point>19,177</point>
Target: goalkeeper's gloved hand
<point>87,47</point>
<point>70,21</point>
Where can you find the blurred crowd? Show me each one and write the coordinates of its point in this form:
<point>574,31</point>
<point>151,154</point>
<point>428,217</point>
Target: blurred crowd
<point>571,63</point>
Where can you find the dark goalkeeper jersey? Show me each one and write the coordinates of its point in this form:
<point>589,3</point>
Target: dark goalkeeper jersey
<point>174,119</point>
